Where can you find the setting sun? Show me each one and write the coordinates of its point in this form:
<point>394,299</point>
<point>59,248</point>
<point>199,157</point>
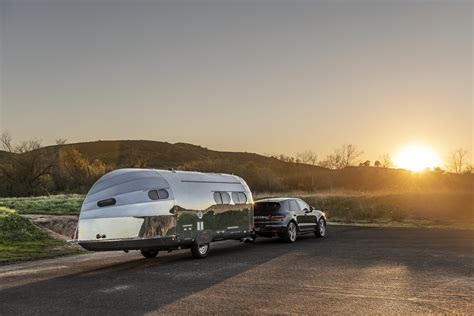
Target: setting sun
<point>417,158</point>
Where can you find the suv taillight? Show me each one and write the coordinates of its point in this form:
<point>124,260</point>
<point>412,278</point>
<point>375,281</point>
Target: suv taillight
<point>276,217</point>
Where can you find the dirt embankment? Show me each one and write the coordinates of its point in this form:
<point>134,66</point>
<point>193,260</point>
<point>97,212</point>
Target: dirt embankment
<point>59,227</point>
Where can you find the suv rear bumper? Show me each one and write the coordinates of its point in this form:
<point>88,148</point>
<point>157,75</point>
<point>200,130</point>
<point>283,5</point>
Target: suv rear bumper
<point>265,229</point>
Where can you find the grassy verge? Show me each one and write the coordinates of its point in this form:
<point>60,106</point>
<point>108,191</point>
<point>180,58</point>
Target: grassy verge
<point>410,223</point>
<point>401,209</point>
<point>45,205</point>
<point>20,240</point>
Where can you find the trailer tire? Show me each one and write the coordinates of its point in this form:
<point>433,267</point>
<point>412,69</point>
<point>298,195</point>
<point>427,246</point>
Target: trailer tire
<point>149,253</point>
<point>200,251</point>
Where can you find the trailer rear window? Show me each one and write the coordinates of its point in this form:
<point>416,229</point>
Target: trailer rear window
<point>264,208</point>
<point>106,202</point>
<point>222,197</point>
<point>158,194</point>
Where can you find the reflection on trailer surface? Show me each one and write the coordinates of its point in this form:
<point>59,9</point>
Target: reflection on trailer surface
<point>154,210</point>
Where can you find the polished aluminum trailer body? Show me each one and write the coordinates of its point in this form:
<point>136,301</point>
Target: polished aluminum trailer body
<point>164,210</point>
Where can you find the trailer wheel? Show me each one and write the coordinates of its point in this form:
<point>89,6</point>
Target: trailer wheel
<point>149,253</point>
<point>200,251</point>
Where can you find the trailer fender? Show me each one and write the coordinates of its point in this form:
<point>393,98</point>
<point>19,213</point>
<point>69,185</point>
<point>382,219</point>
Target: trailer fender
<point>204,237</point>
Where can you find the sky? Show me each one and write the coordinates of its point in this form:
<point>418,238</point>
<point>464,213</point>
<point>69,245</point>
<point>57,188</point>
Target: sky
<point>257,76</point>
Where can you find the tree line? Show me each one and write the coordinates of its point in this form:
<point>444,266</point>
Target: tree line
<point>26,170</point>
<point>348,156</point>
<point>342,157</point>
<point>30,171</point>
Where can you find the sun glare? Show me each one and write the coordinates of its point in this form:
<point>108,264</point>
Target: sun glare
<point>417,158</point>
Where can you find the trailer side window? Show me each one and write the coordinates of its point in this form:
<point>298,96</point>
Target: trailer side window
<point>221,197</point>
<point>107,202</point>
<point>161,194</point>
<point>217,197</point>
<point>239,197</point>
<point>225,198</point>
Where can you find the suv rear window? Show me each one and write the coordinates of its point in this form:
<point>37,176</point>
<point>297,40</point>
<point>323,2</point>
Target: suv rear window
<point>263,208</point>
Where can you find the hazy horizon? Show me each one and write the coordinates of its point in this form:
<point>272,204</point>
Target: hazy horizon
<point>264,77</point>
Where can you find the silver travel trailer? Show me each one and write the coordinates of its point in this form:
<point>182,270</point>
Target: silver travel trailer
<point>152,210</point>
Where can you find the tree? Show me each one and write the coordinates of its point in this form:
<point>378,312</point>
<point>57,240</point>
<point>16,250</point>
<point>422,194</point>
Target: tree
<point>307,157</point>
<point>137,160</point>
<point>284,158</point>
<point>332,161</point>
<point>365,164</point>
<point>75,171</point>
<point>343,157</point>
<point>377,164</point>
<point>386,161</point>
<point>469,169</point>
<point>6,142</point>
<point>438,170</point>
<point>349,154</point>
<point>457,162</point>
<point>61,141</point>
<point>26,170</point>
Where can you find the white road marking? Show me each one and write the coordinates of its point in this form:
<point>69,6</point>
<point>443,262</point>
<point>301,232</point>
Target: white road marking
<point>31,270</point>
<point>115,289</point>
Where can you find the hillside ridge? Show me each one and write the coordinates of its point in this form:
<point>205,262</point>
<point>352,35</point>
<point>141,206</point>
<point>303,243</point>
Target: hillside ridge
<point>263,174</point>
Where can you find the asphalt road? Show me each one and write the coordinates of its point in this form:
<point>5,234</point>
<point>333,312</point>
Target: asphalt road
<point>352,271</point>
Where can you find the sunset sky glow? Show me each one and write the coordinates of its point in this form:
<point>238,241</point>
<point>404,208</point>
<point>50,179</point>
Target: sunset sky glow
<point>266,76</point>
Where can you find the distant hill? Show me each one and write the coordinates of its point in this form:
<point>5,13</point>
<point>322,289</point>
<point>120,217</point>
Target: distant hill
<point>157,154</point>
<point>263,174</point>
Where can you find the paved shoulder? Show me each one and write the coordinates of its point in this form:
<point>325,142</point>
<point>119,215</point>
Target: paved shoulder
<point>353,270</point>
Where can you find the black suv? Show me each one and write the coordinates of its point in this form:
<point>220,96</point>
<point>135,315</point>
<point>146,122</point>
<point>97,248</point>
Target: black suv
<point>287,218</point>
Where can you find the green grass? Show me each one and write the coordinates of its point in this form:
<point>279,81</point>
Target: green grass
<point>20,240</point>
<point>45,205</point>
<point>6,211</point>
<point>430,208</point>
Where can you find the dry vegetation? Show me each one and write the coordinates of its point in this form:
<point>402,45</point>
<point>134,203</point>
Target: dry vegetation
<point>419,208</point>
<point>424,208</point>
<point>27,169</point>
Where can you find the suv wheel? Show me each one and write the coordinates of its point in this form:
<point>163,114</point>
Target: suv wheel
<point>321,229</point>
<point>290,233</point>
